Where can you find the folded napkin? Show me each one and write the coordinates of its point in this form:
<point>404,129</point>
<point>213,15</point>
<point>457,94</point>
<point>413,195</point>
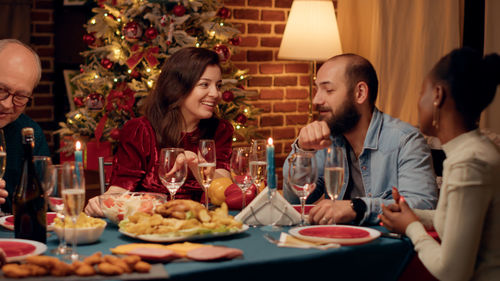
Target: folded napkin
<point>287,240</point>
<point>261,212</point>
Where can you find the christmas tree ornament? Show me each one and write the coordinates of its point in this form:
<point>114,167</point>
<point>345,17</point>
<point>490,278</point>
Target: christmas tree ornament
<point>135,74</point>
<point>179,10</point>
<point>228,96</point>
<point>132,31</point>
<point>114,134</point>
<point>223,52</point>
<point>241,118</point>
<point>164,20</point>
<point>106,63</point>
<point>151,33</point>
<point>88,39</point>
<point>95,101</point>
<point>224,13</point>
<point>235,41</point>
<point>78,101</point>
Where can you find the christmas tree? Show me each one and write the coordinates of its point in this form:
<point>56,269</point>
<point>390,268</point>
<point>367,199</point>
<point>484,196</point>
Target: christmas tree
<point>129,40</point>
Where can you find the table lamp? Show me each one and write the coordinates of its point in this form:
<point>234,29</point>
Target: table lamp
<point>311,34</point>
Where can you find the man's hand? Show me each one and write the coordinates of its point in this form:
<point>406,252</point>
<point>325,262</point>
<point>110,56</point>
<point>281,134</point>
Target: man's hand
<point>315,135</point>
<point>397,220</point>
<point>3,192</point>
<point>328,211</point>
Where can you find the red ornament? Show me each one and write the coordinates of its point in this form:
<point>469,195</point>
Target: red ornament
<point>88,39</point>
<point>78,101</point>
<point>224,13</point>
<point>106,63</point>
<point>135,74</point>
<point>235,41</point>
<point>228,96</point>
<point>179,10</point>
<point>241,118</point>
<point>95,101</point>
<point>114,134</point>
<point>132,31</point>
<point>223,52</point>
<point>151,33</point>
<point>82,70</point>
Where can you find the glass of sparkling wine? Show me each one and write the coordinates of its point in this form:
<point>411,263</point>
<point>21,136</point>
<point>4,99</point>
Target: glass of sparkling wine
<point>52,185</point>
<point>334,172</point>
<point>240,170</point>
<point>206,164</point>
<point>173,169</point>
<point>258,162</point>
<point>73,194</point>
<point>302,177</point>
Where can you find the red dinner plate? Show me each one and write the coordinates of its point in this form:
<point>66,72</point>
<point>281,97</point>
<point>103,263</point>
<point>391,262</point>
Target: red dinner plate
<point>342,234</point>
<point>8,221</point>
<point>19,249</point>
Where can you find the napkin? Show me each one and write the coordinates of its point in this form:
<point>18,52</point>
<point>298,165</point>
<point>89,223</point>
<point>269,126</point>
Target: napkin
<point>287,240</point>
<point>261,212</point>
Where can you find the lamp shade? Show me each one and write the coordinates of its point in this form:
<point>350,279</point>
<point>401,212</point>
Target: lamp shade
<point>311,32</point>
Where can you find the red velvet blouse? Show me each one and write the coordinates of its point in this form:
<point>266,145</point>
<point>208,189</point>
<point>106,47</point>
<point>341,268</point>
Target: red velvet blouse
<point>136,162</point>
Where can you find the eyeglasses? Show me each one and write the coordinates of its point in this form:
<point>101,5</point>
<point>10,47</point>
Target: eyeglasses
<point>17,99</point>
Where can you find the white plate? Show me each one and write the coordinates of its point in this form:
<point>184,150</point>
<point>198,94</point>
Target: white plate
<point>353,235</point>
<point>19,249</point>
<point>10,225</point>
<point>163,238</point>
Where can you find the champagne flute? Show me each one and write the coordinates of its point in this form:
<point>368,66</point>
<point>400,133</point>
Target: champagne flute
<point>240,170</point>
<point>334,172</point>
<point>73,193</point>
<point>53,184</point>
<point>258,162</point>
<point>206,164</point>
<point>173,169</point>
<point>302,177</point>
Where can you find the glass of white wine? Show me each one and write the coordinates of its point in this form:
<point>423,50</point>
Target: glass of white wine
<point>73,194</point>
<point>173,169</point>
<point>206,164</point>
<point>258,162</point>
<point>334,172</point>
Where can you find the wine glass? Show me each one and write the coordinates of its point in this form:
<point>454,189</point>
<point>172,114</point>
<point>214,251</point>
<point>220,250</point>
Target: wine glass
<point>334,172</point>
<point>258,162</point>
<point>173,169</point>
<point>240,170</point>
<point>73,194</point>
<point>52,186</point>
<point>206,164</point>
<point>3,154</point>
<point>302,177</point>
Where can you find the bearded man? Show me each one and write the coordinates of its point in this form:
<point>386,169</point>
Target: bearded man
<point>380,152</point>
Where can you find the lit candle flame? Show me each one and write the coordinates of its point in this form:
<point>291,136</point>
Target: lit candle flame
<point>270,141</point>
<point>78,145</point>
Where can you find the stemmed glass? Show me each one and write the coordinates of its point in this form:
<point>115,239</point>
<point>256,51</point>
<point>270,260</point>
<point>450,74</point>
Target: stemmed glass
<point>52,185</point>
<point>3,159</point>
<point>73,194</point>
<point>302,177</point>
<point>206,164</point>
<point>173,169</point>
<point>258,162</point>
<point>334,172</point>
<point>240,170</point>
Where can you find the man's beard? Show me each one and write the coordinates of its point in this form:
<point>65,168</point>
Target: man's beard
<point>345,120</point>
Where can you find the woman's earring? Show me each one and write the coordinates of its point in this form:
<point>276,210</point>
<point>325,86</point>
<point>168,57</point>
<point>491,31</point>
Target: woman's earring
<point>435,116</point>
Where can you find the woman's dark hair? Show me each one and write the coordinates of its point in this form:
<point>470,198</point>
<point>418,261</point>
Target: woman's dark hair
<point>471,79</point>
<point>178,77</point>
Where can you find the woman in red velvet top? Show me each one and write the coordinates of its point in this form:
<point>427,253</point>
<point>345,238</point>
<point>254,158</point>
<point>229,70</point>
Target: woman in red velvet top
<point>178,113</point>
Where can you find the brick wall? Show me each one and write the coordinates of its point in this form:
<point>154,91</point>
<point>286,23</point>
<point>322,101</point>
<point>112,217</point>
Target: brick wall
<point>41,108</point>
<point>283,86</point>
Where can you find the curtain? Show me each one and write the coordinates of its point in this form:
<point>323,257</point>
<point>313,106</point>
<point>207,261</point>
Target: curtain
<point>15,19</point>
<point>403,40</point>
<point>491,117</point>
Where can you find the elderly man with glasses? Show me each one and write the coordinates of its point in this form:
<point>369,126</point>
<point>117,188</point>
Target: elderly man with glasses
<point>20,72</point>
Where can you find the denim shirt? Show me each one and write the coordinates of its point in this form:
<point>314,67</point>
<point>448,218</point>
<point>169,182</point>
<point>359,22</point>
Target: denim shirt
<point>394,154</point>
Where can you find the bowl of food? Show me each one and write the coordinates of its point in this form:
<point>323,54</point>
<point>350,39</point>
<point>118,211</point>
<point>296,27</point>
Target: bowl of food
<point>88,229</point>
<point>118,206</point>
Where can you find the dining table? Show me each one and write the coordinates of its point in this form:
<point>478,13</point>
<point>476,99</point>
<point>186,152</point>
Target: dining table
<point>381,259</point>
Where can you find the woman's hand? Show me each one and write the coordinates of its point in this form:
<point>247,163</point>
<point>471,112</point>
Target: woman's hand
<point>3,192</point>
<point>93,207</point>
<point>397,217</point>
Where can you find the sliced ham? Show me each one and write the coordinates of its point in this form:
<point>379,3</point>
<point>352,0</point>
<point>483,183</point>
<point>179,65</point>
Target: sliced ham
<point>213,253</point>
<point>155,254</point>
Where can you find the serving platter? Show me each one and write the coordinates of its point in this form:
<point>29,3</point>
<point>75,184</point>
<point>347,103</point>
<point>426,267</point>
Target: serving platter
<point>19,249</point>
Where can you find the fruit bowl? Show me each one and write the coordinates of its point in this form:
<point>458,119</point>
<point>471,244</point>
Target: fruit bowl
<point>118,206</point>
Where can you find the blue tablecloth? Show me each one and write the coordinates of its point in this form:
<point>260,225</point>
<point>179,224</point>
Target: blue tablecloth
<point>381,259</point>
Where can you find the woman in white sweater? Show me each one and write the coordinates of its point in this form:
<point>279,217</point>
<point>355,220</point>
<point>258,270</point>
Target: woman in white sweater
<point>467,217</point>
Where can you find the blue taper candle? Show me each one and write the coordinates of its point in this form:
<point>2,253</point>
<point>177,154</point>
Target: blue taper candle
<point>271,178</point>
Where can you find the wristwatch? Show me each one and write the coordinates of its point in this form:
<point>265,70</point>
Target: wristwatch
<point>359,207</point>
